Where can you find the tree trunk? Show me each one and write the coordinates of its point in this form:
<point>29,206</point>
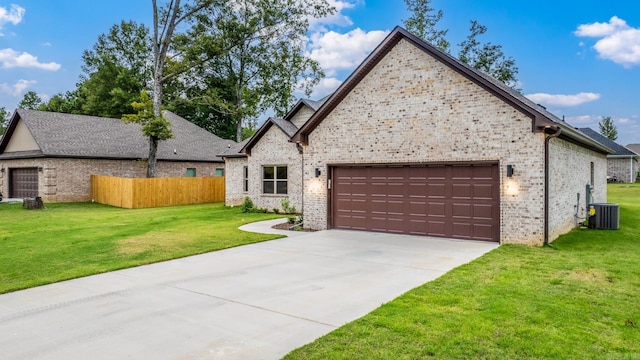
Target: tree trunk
<point>237,115</point>
<point>151,162</point>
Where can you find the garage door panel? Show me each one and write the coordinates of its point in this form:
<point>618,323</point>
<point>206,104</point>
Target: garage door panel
<point>462,230</point>
<point>436,190</point>
<point>462,191</point>
<point>458,201</point>
<point>483,211</point>
<point>464,211</point>
<point>437,209</point>
<point>483,191</point>
<point>23,182</point>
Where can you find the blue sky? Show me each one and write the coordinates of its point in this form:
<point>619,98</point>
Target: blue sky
<point>581,59</point>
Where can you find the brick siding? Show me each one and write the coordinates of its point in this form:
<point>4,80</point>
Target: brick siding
<point>68,179</point>
<point>411,108</point>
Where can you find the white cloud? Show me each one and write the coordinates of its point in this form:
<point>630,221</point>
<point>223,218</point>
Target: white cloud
<point>338,18</point>
<point>10,58</point>
<point>335,51</point>
<point>18,88</point>
<point>563,100</point>
<point>325,87</point>
<point>619,42</point>
<point>13,16</point>
<point>583,120</point>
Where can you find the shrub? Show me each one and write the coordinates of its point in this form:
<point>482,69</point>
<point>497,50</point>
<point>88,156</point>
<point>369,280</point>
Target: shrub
<point>286,206</point>
<point>247,205</point>
<point>276,211</point>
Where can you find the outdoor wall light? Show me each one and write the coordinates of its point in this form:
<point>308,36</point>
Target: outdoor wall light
<point>509,170</point>
<point>2,170</point>
<point>317,172</point>
<point>40,169</point>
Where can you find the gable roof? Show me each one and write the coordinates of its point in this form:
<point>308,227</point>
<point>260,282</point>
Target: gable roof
<point>618,150</point>
<point>541,119</point>
<point>287,127</point>
<point>313,104</point>
<point>634,147</point>
<point>80,136</point>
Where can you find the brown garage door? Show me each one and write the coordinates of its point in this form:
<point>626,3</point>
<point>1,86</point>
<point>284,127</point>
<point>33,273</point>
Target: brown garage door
<point>24,183</point>
<point>453,201</point>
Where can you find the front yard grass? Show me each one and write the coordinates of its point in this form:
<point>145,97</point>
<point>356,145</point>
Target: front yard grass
<point>579,299</point>
<point>66,241</point>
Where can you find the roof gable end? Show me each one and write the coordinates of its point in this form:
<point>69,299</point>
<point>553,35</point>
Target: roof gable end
<point>540,118</point>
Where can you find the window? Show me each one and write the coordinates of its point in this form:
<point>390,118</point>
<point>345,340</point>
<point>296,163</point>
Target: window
<point>245,177</point>
<point>219,172</point>
<point>191,172</point>
<point>274,180</point>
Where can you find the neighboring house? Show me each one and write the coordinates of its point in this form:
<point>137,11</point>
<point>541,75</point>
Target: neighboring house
<point>416,142</point>
<point>636,149</point>
<point>271,157</point>
<point>53,155</point>
<point>622,165</point>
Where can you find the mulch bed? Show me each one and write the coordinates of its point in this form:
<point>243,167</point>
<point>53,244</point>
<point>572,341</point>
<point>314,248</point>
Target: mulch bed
<point>286,225</point>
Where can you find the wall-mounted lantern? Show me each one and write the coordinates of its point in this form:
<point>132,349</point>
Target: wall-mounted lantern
<point>318,172</point>
<point>510,170</point>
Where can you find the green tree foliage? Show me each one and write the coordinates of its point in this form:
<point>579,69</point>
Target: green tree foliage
<point>608,128</point>
<point>423,22</point>
<point>156,128</point>
<point>116,70</point>
<point>30,101</point>
<point>262,57</point>
<point>487,57</point>
<point>4,119</point>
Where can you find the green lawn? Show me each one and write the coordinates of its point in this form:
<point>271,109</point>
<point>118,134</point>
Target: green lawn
<point>66,241</point>
<point>577,300</point>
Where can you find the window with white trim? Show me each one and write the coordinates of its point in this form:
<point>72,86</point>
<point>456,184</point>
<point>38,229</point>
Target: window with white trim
<point>245,175</point>
<point>274,180</point>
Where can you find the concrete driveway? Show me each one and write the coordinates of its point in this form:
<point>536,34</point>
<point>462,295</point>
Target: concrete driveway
<point>252,302</point>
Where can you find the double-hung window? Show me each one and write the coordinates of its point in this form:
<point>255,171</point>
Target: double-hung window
<point>274,180</point>
<point>245,178</point>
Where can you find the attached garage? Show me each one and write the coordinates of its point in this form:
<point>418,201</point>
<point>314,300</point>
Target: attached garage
<point>24,182</point>
<point>447,200</point>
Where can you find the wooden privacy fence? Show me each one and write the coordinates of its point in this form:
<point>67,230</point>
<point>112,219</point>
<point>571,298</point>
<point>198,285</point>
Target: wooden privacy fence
<point>135,193</point>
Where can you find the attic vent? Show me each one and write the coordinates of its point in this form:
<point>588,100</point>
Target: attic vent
<point>607,217</point>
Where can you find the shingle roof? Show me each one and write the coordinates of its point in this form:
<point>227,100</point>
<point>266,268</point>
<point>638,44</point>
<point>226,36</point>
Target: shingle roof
<point>287,127</point>
<point>634,147</point>
<point>68,135</point>
<point>234,150</point>
<point>618,149</point>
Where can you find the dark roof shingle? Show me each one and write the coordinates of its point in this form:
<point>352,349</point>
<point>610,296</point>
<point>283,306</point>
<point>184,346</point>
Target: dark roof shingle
<point>618,149</point>
<point>68,135</point>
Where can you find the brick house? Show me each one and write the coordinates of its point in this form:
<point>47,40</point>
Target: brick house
<point>53,155</point>
<point>270,155</point>
<point>416,142</point>
<point>622,164</point>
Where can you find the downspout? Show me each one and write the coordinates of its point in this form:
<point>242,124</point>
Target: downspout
<point>301,151</point>
<point>546,178</point>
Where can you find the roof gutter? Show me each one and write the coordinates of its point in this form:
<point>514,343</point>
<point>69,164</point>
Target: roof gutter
<point>552,132</point>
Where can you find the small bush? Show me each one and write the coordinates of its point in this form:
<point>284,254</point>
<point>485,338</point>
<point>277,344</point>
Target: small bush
<point>247,205</point>
<point>286,206</point>
<point>276,211</point>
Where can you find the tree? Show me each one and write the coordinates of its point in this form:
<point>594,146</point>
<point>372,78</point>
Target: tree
<point>608,128</point>
<point>156,128</point>
<point>487,57</point>
<point>165,21</point>
<point>116,70</point>
<point>4,119</point>
<point>423,21</point>
<point>262,55</point>
<point>30,101</point>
